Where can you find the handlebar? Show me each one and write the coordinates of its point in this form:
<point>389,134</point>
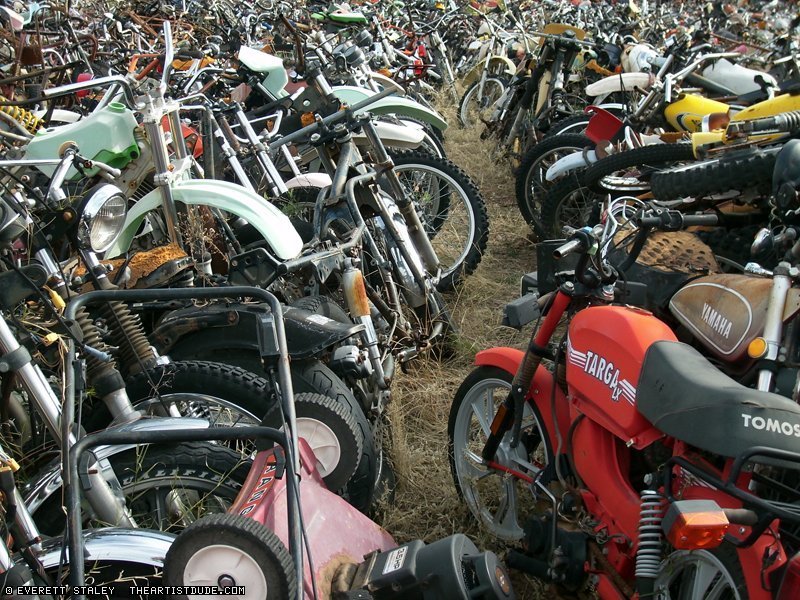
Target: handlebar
<point>303,133</point>
<point>674,220</point>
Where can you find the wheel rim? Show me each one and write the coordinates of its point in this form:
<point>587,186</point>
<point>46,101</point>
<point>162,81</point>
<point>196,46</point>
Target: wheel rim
<point>209,565</point>
<point>698,575</point>
<point>323,442</point>
<point>477,110</point>
<point>574,209</point>
<point>494,497</point>
<point>445,211</point>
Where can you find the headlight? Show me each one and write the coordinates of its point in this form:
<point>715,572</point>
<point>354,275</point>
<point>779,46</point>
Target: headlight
<point>102,216</point>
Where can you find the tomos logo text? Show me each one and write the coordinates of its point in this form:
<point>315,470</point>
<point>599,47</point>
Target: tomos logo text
<point>772,425</point>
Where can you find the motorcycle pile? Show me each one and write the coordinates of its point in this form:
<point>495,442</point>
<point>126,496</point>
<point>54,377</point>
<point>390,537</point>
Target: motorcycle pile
<point>225,226</point>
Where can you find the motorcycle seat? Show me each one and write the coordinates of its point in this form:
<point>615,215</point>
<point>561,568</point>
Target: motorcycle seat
<point>685,396</point>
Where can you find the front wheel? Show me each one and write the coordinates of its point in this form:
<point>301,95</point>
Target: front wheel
<point>499,501</point>
<point>476,107</point>
<point>452,210</point>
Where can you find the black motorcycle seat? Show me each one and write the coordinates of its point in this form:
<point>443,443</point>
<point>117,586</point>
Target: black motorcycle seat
<point>688,398</point>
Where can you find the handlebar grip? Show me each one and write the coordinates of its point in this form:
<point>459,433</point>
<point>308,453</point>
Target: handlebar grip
<point>568,248</point>
<point>184,54</point>
<point>693,220</point>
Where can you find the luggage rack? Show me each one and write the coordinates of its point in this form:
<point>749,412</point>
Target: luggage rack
<point>766,510</point>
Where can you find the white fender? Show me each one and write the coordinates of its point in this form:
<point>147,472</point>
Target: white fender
<point>624,82</point>
<point>271,223</point>
<point>59,116</point>
<point>387,82</point>
<point>570,162</point>
<point>405,135</point>
<point>309,180</point>
<point>391,105</point>
<point>737,78</point>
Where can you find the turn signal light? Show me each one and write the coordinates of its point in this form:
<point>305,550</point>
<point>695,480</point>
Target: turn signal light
<point>757,348</point>
<point>306,119</point>
<point>695,524</point>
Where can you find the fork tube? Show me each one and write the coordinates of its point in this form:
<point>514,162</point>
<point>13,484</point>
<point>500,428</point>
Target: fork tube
<point>275,179</point>
<point>504,417</point>
<point>158,143</point>
<point>773,325</point>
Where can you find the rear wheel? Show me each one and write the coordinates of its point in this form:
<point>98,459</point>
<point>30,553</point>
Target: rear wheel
<point>231,550</point>
<point>568,203</point>
<point>701,574</point>
<point>476,107</point>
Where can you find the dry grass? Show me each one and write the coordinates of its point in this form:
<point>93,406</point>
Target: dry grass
<point>427,505</point>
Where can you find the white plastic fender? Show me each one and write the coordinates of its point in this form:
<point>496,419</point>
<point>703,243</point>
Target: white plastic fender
<point>59,116</point>
<point>405,135</point>
<point>271,223</point>
<point>309,180</point>
<point>392,105</point>
<point>570,162</point>
<point>624,82</point>
<point>387,82</point>
<point>737,78</point>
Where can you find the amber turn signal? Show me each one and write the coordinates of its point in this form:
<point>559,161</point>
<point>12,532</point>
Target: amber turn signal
<point>757,348</point>
<point>306,119</point>
<point>695,524</point>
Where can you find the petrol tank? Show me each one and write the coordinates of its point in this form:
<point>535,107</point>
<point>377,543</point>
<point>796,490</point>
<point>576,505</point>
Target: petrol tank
<point>687,112</point>
<point>605,350</point>
<point>724,312</point>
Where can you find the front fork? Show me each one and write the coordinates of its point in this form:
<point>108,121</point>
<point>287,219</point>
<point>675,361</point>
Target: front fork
<point>773,323</point>
<point>509,415</point>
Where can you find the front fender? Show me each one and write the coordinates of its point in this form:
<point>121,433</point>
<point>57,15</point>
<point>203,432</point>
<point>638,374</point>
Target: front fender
<point>404,135</point>
<point>497,63</point>
<point>139,546</point>
<point>387,82</point>
<point>49,480</point>
<point>393,105</point>
<point>309,180</point>
<point>271,223</point>
<point>570,162</point>
<point>626,82</point>
<point>509,359</point>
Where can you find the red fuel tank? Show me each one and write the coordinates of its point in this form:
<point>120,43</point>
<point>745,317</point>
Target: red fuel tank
<point>605,351</point>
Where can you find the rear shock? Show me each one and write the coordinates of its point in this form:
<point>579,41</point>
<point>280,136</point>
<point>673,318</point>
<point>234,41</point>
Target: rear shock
<point>25,118</point>
<point>648,553</point>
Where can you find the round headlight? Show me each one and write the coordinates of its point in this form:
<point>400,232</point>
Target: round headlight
<point>102,218</point>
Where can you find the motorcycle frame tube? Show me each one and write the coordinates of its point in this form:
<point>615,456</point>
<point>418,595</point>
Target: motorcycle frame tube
<point>72,454</point>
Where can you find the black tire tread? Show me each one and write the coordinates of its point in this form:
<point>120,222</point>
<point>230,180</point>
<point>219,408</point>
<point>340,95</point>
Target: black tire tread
<point>656,153</point>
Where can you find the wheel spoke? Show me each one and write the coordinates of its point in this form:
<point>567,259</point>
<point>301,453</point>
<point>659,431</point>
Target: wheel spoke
<point>481,408</point>
<point>704,575</point>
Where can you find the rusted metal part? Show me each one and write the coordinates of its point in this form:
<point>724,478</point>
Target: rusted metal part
<point>608,569</point>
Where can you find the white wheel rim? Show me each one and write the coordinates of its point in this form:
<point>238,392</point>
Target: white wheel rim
<point>323,442</point>
<point>208,564</point>
<point>502,519</point>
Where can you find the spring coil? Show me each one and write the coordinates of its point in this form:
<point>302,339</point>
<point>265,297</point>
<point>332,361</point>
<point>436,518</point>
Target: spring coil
<point>24,117</point>
<point>790,121</point>
<point>648,554</point>
<point>91,337</point>
<point>127,333</point>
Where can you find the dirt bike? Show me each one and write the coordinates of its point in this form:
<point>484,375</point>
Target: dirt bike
<point>659,472</point>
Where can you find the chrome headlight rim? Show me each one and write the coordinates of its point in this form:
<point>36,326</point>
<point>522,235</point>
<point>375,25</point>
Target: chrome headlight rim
<point>91,208</point>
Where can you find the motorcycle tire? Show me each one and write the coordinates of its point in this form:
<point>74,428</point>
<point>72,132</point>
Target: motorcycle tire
<point>452,210</point>
<point>160,481</point>
<point>737,171</point>
<point>531,185</point>
<point>496,87</point>
<point>569,203</point>
<point>573,125</point>
<point>232,549</point>
<point>598,177</point>
<point>433,142</point>
<point>465,443</point>
<point>308,377</point>
<point>721,565</point>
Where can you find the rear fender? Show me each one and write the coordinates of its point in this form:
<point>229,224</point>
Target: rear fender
<point>509,359</point>
<point>387,82</point>
<point>138,546</point>
<point>624,82</point>
<point>309,180</point>
<point>392,105</point>
<point>271,223</point>
<point>404,135</point>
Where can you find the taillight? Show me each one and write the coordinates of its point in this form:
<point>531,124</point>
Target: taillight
<point>790,586</point>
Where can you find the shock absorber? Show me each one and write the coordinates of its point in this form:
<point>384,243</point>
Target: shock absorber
<point>648,553</point>
<point>27,119</point>
<point>103,375</point>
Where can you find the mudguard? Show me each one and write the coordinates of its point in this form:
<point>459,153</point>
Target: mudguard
<point>404,135</point>
<point>739,79</point>
<point>570,162</point>
<point>49,480</point>
<point>392,105</point>
<point>497,64</point>
<point>509,359</point>
<point>271,223</point>
<point>387,82</point>
<point>138,546</point>
<point>195,332</point>
<point>306,180</point>
<point>624,82</point>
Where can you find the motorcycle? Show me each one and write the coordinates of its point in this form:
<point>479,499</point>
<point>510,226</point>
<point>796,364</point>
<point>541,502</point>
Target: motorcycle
<point>656,468</point>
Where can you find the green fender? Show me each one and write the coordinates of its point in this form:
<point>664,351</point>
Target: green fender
<point>394,105</point>
<point>271,223</point>
<point>497,65</point>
